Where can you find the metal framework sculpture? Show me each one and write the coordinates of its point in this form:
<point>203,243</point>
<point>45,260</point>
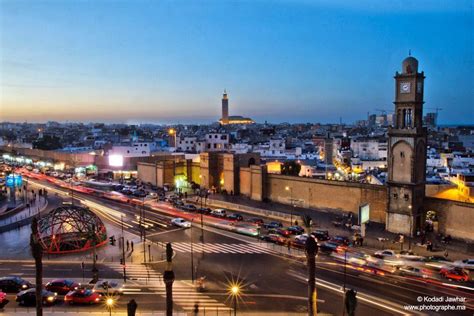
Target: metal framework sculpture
<point>69,229</point>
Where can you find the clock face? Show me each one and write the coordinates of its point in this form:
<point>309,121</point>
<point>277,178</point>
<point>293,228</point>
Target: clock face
<point>405,87</point>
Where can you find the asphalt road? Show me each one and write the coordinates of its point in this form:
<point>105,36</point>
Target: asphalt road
<point>270,282</point>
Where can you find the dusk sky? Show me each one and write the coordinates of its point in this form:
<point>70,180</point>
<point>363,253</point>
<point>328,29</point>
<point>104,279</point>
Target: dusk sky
<point>169,61</point>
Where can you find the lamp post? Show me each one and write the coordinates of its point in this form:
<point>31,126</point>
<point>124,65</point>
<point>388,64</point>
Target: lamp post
<point>123,252</point>
<point>110,303</point>
<point>235,292</point>
<point>288,188</point>
<point>172,132</point>
<point>144,230</point>
<point>192,253</point>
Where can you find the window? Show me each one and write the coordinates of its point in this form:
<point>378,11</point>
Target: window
<point>406,197</point>
<point>210,136</point>
<point>128,151</point>
<point>215,145</point>
<point>209,146</point>
<point>402,154</point>
<point>395,195</point>
<point>215,136</point>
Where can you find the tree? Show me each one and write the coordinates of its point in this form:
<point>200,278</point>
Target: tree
<point>311,249</point>
<point>290,168</point>
<point>37,252</point>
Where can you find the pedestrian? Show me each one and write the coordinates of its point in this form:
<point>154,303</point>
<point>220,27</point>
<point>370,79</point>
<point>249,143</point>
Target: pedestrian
<point>289,246</point>
<point>131,307</point>
<point>131,244</point>
<point>361,241</point>
<point>128,245</point>
<point>446,253</point>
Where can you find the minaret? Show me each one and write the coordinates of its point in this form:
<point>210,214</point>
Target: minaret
<point>225,109</point>
<point>407,153</point>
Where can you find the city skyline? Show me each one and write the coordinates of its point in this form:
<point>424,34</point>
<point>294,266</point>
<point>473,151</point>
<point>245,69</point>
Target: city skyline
<point>169,63</point>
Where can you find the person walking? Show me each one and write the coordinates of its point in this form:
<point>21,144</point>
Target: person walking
<point>131,244</point>
<point>128,245</point>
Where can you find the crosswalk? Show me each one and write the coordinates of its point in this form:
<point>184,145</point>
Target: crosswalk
<point>242,248</point>
<point>184,293</point>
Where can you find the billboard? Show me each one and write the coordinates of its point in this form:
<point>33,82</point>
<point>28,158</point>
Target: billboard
<point>364,213</point>
<point>116,160</point>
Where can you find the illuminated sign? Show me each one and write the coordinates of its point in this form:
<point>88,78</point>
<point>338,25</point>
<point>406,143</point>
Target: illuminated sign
<point>116,160</point>
<point>364,214</point>
<point>13,180</point>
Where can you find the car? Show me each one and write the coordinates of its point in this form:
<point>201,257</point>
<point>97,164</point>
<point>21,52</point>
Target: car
<point>321,235</point>
<point>413,271</point>
<point>235,217</point>
<point>181,222</point>
<point>274,238</point>
<point>296,230</point>
<point>219,212</point>
<point>61,286</point>
<point>440,259</point>
<point>3,299</point>
<point>105,287</point>
<point>329,247</point>
<point>189,208</point>
<point>139,193</point>
<point>280,231</point>
<point>466,264</point>
<point>341,240</point>
<point>385,253</point>
<point>14,284</point>
<point>82,296</point>
<point>178,203</point>
<point>257,221</point>
<point>273,225</point>
<point>204,210</point>
<point>455,273</point>
<point>28,297</point>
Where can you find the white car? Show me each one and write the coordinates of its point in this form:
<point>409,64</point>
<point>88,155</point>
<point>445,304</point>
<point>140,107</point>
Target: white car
<point>465,264</point>
<point>413,271</point>
<point>105,287</point>
<point>385,253</point>
<point>180,222</point>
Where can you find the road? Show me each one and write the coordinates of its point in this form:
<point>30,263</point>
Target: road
<point>270,281</point>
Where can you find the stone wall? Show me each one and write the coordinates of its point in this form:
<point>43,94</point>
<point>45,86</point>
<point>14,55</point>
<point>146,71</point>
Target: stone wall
<point>334,195</point>
<point>454,218</point>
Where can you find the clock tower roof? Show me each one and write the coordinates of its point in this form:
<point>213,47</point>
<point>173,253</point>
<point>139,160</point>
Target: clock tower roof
<point>410,65</point>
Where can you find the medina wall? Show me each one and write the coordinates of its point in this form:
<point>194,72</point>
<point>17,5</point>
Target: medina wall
<point>454,218</point>
<point>332,195</point>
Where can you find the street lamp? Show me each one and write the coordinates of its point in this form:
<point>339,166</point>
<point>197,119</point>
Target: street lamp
<point>172,132</point>
<point>234,291</point>
<point>192,254</point>
<point>110,303</point>
<point>288,188</point>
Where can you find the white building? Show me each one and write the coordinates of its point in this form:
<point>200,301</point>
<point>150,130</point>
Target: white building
<point>369,148</point>
<point>133,150</point>
<point>186,143</point>
<point>216,142</point>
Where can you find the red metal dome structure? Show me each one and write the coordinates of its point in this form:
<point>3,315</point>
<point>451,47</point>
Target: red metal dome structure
<point>71,228</point>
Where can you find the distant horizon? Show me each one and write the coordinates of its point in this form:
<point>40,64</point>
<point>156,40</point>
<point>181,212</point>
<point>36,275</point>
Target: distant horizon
<point>280,60</point>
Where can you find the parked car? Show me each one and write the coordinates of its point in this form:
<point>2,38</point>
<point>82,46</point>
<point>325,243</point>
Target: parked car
<point>204,210</point>
<point>82,296</point>
<point>105,287</point>
<point>466,264</point>
<point>28,297</point>
<point>180,222</point>
<point>274,238</point>
<point>257,221</point>
<point>341,240</point>
<point>320,235</point>
<point>455,273</point>
<point>273,225</point>
<point>235,217</point>
<point>280,231</point>
<point>14,284</point>
<point>219,212</point>
<point>328,247</point>
<point>296,230</point>
<point>61,286</point>
<point>189,208</point>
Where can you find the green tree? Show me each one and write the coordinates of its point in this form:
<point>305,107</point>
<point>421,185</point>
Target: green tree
<point>290,168</point>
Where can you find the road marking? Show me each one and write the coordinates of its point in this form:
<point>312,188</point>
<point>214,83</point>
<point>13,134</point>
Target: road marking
<point>165,232</point>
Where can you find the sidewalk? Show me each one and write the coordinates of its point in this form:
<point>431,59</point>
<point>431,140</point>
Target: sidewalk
<point>323,218</point>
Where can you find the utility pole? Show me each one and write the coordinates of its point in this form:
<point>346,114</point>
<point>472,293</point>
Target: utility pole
<point>123,252</point>
<point>37,252</point>
<point>144,231</point>
<point>192,254</point>
<point>168,277</point>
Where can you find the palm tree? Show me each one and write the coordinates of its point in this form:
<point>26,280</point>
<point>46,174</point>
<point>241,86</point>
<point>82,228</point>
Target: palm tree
<point>311,248</point>
<point>37,252</point>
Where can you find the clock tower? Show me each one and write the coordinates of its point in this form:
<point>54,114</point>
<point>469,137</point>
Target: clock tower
<point>407,152</point>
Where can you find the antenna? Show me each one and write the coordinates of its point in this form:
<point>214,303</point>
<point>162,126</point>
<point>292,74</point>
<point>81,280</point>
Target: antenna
<point>409,52</point>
